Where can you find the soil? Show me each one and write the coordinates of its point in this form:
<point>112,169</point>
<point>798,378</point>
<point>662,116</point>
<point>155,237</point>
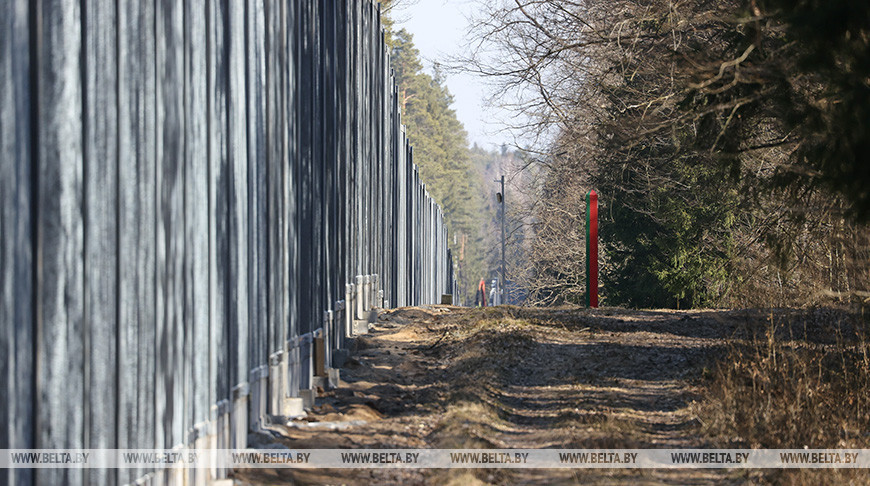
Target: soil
<point>509,377</point>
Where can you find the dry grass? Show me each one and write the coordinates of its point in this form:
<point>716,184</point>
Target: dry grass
<point>511,378</point>
<point>797,383</point>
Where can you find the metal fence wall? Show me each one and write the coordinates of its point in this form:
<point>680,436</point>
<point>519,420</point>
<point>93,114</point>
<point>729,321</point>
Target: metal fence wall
<point>194,193</point>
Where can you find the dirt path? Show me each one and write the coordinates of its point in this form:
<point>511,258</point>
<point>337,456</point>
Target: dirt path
<point>444,377</point>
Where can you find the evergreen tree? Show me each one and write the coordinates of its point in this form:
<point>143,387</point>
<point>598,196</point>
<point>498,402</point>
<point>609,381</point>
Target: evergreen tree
<point>727,140</point>
<point>442,155</point>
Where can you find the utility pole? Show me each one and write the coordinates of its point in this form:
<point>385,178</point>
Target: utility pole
<point>500,196</point>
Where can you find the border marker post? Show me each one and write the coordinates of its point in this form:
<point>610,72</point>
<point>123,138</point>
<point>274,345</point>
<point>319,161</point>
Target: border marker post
<point>592,249</point>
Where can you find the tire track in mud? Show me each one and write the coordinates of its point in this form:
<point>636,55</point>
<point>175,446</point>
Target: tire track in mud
<point>508,377</point>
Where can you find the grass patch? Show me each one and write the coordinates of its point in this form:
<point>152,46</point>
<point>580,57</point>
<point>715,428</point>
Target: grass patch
<point>785,389</point>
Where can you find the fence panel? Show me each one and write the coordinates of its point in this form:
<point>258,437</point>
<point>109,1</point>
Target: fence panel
<point>202,203</point>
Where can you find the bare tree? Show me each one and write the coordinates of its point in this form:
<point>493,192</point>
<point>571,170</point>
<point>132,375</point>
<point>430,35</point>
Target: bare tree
<point>681,114</point>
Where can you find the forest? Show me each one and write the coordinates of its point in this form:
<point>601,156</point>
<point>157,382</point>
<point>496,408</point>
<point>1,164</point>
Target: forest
<point>453,172</point>
<point>728,141</point>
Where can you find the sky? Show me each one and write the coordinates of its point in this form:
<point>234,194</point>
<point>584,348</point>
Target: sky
<point>440,29</point>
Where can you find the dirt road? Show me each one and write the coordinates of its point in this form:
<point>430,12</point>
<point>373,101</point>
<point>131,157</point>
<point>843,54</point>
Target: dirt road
<point>445,377</point>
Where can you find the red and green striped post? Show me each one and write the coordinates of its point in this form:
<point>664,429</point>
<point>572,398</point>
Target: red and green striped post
<point>591,249</point>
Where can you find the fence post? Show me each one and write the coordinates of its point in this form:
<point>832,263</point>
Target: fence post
<point>367,294</point>
<point>358,299</point>
<point>348,308</point>
<point>374,291</point>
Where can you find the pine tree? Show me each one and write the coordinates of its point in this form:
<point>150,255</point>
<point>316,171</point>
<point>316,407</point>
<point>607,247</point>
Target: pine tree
<point>441,152</point>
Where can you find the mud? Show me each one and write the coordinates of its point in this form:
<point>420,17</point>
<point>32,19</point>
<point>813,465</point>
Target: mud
<point>447,377</point>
